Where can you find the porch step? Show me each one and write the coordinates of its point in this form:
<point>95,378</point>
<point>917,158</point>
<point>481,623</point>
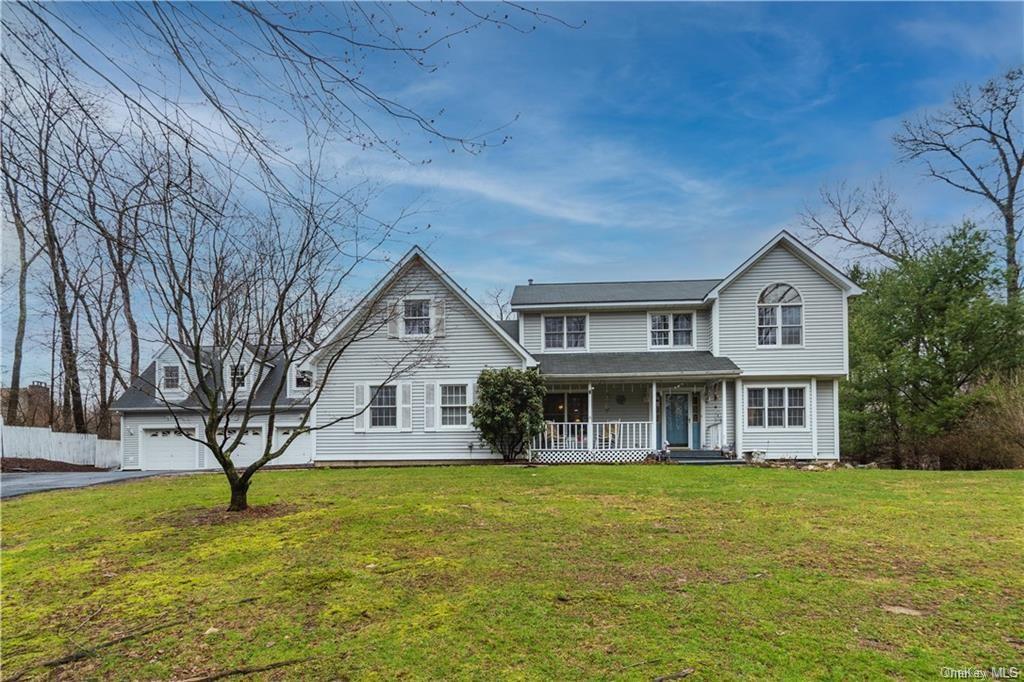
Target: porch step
<point>703,457</point>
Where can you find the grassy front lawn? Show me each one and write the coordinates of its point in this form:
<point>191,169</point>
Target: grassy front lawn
<point>497,572</point>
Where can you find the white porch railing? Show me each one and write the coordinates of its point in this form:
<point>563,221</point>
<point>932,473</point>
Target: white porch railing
<point>594,436</point>
<point>713,440</point>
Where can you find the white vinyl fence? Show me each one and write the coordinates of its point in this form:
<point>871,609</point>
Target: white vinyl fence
<point>73,448</point>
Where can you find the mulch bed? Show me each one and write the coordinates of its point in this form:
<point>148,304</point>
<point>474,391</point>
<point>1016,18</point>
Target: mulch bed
<point>215,516</point>
<point>23,464</point>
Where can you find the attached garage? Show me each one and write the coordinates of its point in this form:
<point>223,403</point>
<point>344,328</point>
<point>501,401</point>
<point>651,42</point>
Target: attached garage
<point>299,452</point>
<point>167,449</point>
<point>249,450</point>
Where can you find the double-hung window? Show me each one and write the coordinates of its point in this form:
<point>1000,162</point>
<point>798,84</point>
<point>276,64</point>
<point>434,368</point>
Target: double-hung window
<point>383,406</point>
<point>671,330</point>
<point>416,317</point>
<point>776,407</point>
<point>454,405</point>
<point>780,316</point>
<point>565,331</point>
<point>238,376</point>
<point>172,377</point>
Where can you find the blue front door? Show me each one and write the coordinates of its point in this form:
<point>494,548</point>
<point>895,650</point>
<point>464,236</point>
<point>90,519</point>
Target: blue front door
<point>677,418</point>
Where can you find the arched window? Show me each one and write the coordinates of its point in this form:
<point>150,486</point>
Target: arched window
<point>780,316</point>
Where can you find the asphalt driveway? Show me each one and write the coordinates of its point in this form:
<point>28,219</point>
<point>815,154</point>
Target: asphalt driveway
<point>13,484</point>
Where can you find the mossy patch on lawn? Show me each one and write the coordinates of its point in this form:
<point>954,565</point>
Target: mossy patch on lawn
<point>571,572</point>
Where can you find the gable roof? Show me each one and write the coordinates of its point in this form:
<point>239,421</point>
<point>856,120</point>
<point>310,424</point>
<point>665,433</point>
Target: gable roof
<point>802,251</point>
<point>417,254</point>
<point>574,293</point>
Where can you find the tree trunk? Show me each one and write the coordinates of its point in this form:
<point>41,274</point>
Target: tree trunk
<point>239,496</point>
<point>19,334</point>
<point>1012,266</point>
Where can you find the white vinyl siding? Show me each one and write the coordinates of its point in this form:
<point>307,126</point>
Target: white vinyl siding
<point>826,419</point>
<point>615,331</point>
<point>822,351</point>
<point>467,347</point>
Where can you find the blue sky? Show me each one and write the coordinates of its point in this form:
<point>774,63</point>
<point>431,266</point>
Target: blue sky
<point>660,140</point>
<point>669,140</point>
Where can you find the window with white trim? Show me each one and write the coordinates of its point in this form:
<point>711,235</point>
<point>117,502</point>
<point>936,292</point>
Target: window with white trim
<point>454,405</point>
<point>671,330</point>
<point>171,380</point>
<point>416,317</point>
<point>565,331</point>
<point>302,380</point>
<point>383,406</point>
<point>238,376</point>
<point>776,407</point>
<point>780,316</point>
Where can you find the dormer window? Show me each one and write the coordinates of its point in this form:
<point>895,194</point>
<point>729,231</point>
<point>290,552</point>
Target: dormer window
<point>238,376</point>
<point>416,317</point>
<point>171,379</point>
<point>780,318</point>
<point>303,379</point>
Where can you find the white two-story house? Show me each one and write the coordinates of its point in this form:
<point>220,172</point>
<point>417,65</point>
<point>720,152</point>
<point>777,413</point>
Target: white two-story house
<point>746,364</point>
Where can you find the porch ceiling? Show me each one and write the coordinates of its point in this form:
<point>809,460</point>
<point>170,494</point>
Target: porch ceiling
<point>637,364</point>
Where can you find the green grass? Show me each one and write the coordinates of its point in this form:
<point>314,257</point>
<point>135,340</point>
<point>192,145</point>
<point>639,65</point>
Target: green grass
<point>534,573</point>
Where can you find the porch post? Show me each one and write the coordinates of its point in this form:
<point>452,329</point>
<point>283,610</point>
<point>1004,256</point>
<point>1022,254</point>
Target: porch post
<point>723,438</point>
<point>590,416</point>
<point>654,417</point>
<point>740,418</point>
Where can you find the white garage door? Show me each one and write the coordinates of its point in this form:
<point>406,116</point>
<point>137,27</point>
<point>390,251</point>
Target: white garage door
<point>251,447</point>
<point>164,449</point>
<point>299,452</point>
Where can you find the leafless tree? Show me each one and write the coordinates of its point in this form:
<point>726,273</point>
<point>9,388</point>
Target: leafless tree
<point>38,114</point>
<point>27,253</point>
<point>169,195</point>
<point>977,146</point>
<point>245,300</point>
<point>500,302</point>
<point>870,223</point>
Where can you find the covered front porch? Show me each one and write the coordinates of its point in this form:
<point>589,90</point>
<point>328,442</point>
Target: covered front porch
<point>615,421</point>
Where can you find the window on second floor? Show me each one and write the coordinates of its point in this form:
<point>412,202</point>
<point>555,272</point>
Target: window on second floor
<point>565,331</point>
<point>780,317</point>
<point>416,317</point>
<point>238,376</point>
<point>668,330</point>
<point>171,380</point>
<point>301,382</point>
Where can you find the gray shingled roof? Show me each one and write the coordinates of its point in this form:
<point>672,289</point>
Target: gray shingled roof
<point>511,327</point>
<point>139,395</point>
<point>612,292</point>
<point>641,363</point>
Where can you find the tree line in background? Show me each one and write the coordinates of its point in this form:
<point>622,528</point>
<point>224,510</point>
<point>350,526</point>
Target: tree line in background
<point>937,339</point>
<point>135,192</point>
